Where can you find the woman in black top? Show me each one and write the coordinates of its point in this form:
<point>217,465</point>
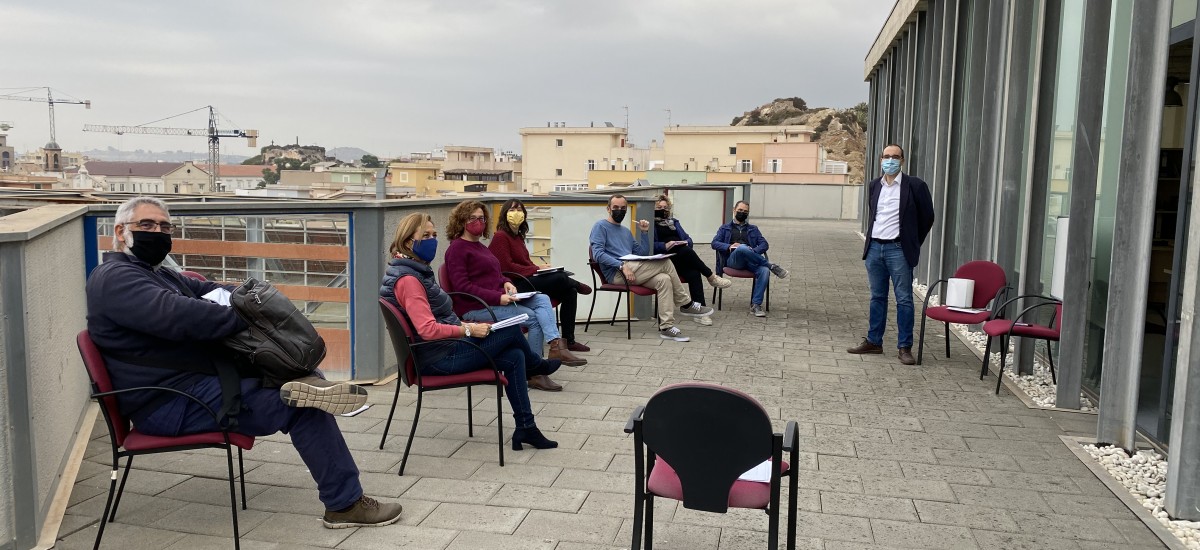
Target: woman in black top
<point>670,238</point>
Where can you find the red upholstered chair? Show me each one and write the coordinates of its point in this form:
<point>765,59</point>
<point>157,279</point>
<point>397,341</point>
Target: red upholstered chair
<point>692,441</point>
<point>990,286</point>
<point>127,442</point>
<point>600,284</point>
<point>404,341</point>
<point>724,271</point>
<point>1019,327</point>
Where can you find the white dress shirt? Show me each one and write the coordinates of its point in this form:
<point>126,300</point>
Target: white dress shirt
<point>887,211</point>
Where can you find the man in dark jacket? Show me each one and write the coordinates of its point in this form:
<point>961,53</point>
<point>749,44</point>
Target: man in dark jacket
<point>741,245</point>
<point>901,215</point>
<point>153,329</point>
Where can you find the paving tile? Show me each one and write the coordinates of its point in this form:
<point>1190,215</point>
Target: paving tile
<point>398,536</point>
<point>847,465</point>
<point>1064,526</point>
<point>987,461</point>
<point>867,506</point>
<point>517,473</point>
<point>957,474</point>
<point>541,498</point>
<point>296,529</point>
<point>570,527</point>
<point>473,540</point>
<point>964,515</point>
<point>676,535</point>
<point>474,517</point>
<point>921,535</point>
<point>992,540</point>
<point>999,497</point>
<point>126,536</point>
<point>925,489</point>
<point>453,490</point>
<point>206,519</point>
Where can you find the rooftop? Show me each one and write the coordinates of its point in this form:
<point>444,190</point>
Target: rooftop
<point>891,456</point>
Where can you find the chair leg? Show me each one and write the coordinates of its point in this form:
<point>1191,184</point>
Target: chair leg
<point>628,317</point>
<point>121,489</point>
<point>1000,371</point>
<point>588,324</point>
<point>638,506</point>
<point>1050,357</point>
<point>500,422</point>
<point>987,358</point>
<point>714,298</point>
<point>649,521</point>
<point>792,490</point>
<point>947,340</point>
<point>921,340</point>
<point>616,308</point>
<point>242,476</point>
<point>411,433</point>
<point>470,417</point>
<point>112,491</point>
<point>391,413</point>
<point>237,538</point>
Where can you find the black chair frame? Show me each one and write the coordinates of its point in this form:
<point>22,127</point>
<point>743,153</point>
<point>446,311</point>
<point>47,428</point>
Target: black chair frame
<point>405,349</point>
<point>719,293</point>
<point>644,459</point>
<point>111,505</point>
<point>1043,301</point>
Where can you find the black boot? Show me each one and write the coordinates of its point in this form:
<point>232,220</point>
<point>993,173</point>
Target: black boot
<point>533,436</point>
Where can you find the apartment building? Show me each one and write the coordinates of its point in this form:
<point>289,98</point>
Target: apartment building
<point>558,156</point>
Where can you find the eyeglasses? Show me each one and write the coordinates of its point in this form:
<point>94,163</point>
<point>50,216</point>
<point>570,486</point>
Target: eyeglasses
<point>477,219</point>
<point>151,225</point>
<point>897,157</point>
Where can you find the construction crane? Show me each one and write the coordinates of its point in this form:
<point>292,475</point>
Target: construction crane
<point>213,133</point>
<point>48,100</point>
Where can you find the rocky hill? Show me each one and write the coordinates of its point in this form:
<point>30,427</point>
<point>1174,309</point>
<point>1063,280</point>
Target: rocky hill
<point>841,131</point>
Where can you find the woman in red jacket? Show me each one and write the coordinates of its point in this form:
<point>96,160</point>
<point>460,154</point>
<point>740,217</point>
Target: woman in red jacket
<point>508,245</point>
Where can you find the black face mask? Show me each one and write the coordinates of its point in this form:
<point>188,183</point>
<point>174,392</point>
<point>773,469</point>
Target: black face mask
<point>741,217</point>
<point>660,214</point>
<point>618,214</point>
<point>151,246</point>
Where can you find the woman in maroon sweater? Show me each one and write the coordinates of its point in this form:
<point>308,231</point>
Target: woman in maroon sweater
<point>472,268</point>
<point>508,245</point>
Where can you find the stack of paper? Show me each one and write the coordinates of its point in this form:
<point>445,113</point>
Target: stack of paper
<point>510,321</point>
<point>635,257</point>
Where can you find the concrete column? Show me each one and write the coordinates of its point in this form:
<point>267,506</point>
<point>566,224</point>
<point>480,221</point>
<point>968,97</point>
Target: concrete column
<point>992,98</point>
<point>20,458</point>
<point>1124,325</point>
<point>1084,162</point>
<point>368,242</point>
<point>939,176</point>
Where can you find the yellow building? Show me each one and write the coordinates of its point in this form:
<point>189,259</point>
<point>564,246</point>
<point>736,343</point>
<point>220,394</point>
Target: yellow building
<point>715,148</point>
<point>422,176</point>
<point>602,179</point>
<point>558,157</point>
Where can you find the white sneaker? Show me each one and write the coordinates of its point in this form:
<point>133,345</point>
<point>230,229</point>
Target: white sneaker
<point>673,333</point>
<point>719,282</point>
<point>696,310</point>
<point>703,321</point>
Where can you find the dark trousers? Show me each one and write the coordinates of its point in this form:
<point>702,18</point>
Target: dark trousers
<point>561,288</point>
<point>692,269</point>
<point>315,433</point>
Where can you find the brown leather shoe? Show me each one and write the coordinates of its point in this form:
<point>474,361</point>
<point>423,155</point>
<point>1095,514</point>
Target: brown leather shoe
<point>865,347</point>
<point>576,346</point>
<point>583,289</point>
<point>544,383</point>
<point>906,356</point>
<point>558,350</point>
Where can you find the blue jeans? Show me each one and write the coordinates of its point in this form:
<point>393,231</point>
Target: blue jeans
<point>315,433</point>
<point>509,349</point>
<point>884,261</point>
<point>746,259</point>
<point>542,325</point>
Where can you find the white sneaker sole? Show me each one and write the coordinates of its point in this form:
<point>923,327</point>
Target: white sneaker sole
<point>339,398</point>
<point>703,321</point>
<point>706,314</point>
<point>347,525</point>
<point>675,338</point>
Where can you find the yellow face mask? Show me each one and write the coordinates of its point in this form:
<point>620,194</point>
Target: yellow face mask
<point>515,218</point>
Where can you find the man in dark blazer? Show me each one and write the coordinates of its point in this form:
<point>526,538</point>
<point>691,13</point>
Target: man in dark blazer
<point>901,215</point>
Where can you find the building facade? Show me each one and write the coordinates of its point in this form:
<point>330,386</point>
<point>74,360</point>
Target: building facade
<point>558,155</point>
<point>715,148</point>
<point>1029,119</point>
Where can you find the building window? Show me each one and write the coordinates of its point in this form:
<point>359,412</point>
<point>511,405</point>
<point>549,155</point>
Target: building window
<point>776,166</point>
<point>733,150</point>
<point>176,188</point>
<point>571,187</point>
<point>403,177</point>
<point>122,186</point>
<point>746,166</point>
<point>558,171</point>
<point>591,164</point>
<point>558,143</point>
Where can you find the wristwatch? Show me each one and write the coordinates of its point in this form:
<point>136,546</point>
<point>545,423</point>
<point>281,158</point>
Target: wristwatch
<point>466,330</point>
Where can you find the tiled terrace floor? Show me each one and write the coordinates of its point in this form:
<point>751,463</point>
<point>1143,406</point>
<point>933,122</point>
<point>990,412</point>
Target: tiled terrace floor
<point>893,456</point>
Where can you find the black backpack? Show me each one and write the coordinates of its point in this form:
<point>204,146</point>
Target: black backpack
<point>281,343</point>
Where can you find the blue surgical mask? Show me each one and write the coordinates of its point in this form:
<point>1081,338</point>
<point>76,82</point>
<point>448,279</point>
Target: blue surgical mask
<point>890,167</point>
<point>425,249</point>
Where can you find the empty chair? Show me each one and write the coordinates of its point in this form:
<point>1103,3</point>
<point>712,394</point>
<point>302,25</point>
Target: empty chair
<point>693,441</point>
<point>990,284</point>
<point>1019,326</point>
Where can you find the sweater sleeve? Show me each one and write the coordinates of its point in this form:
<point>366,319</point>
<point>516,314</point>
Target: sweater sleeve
<point>759,242</point>
<point>600,253</point>
<point>138,303</point>
<point>720,241</point>
<point>411,296</point>
<point>683,235</point>
<point>503,247</point>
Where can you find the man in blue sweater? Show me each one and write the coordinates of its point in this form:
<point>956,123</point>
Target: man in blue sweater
<point>741,246</point>
<point>610,241</point>
<point>153,330</point>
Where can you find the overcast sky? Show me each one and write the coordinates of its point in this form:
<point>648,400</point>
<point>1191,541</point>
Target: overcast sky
<point>398,76</point>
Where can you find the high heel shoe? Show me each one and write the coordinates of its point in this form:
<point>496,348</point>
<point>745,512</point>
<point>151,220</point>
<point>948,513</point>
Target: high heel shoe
<point>533,436</point>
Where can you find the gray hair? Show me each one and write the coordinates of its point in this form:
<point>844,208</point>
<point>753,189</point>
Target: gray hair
<point>124,215</point>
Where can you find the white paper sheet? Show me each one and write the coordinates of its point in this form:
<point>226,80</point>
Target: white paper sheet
<point>635,257</point>
<point>523,295</point>
<point>219,296</point>
<point>510,321</point>
<point>760,473</point>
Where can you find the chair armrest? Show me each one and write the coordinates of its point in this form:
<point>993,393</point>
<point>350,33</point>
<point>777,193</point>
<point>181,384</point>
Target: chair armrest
<point>999,313</point>
<point>634,418</point>
<point>1027,310</point>
<point>193,398</point>
<point>928,294</point>
<point>1000,298</point>
<point>790,433</point>
<point>515,275</point>
<point>477,299</point>
<point>481,351</point>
